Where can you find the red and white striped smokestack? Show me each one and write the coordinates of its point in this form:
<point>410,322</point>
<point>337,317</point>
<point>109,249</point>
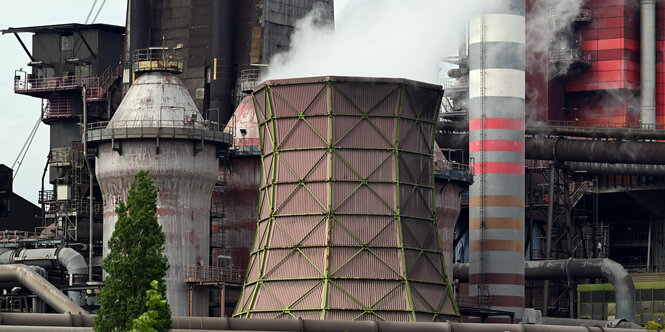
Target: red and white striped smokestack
<point>496,125</point>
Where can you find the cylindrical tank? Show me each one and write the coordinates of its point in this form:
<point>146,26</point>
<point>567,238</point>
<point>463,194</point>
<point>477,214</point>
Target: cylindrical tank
<point>448,207</point>
<point>496,144</point>
<point>183,170</point>
<point>346,225</point>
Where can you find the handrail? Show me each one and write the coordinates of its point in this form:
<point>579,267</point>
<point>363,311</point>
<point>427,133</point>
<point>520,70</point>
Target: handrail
<point>200,273</point>
<point>597,124</point>
<point>125,124</point>
<point>45,83</point>
<point>600,124</point>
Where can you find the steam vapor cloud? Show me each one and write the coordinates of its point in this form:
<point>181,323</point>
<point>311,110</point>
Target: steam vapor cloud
<point>378,38</point>
<point>408,38</point>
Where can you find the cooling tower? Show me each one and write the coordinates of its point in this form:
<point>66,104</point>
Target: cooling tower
<point>158,128</point>
<point>346,227</point>
<point>496,144</point>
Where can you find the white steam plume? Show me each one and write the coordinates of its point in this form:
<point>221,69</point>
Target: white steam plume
<point>379,38</point>
<point>550,28</point>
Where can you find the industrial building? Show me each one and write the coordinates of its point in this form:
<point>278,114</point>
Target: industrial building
<point>532,180</point>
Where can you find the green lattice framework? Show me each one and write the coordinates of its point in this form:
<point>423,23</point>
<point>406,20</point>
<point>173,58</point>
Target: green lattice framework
<point>346,227</point>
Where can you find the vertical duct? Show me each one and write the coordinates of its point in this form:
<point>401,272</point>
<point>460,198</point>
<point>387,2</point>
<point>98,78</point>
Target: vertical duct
<point>138,26</point>
<point>221,82</point>
<point>496,144</point>
<point>648,65</point>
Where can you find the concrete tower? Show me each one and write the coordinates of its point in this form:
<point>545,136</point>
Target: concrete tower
<point>496,143</point>
<point>158,128</point>
<point>346,227</point>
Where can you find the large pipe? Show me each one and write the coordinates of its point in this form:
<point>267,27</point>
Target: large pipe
<point>578,269</point>
<point>618,169</point>
<point>590,322</point>
<point>65,258</point>
<point>138,26</point>
<point>648,62</point>
<point>139,23</point>
<point>302,325</point>
<point>221,54</point>
<point>59,258</point>
<point>579,130</point>
<point>497,121</point>
<point>629,152</point>
<point>567,150</point>
<point>40,286</point>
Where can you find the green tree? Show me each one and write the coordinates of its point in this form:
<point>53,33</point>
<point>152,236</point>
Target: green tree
<point>652,326</point>
<point>135,259</point>
<point>155,303</point>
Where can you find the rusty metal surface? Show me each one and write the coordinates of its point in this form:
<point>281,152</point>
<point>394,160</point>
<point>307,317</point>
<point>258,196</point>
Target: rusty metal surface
<point>346,205</point>
<point>448,207</point>
<point>157,96</point>
<point>184,180</point>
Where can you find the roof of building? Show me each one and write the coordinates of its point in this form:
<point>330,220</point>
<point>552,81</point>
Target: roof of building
<point>66,28</point>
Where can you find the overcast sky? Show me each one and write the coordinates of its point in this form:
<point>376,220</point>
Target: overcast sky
<point>19,113</point>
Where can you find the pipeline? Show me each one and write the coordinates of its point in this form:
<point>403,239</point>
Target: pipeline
<point>618,323</point>
<point>619,169</point>
<point>646,132</point>
<point>628,152</point>
<point>53,258</point>
<point>578,269</point>
<point>572,150</point>
<point>66,258</point>
<point>65,321</point>
<point>40,286</point>
<point>221,53</point>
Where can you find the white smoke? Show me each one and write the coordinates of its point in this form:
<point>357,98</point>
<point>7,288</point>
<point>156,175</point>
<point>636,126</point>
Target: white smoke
<point>550,28</point>
<point>379,38</point>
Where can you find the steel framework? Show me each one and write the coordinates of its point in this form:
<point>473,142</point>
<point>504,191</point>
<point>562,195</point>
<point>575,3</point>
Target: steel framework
<point>346,226</point>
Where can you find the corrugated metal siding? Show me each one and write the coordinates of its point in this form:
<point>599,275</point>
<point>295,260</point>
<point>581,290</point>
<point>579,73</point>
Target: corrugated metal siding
<point>348,208</point>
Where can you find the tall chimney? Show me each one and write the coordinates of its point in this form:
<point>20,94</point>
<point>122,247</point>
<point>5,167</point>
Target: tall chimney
<point>496,144</point>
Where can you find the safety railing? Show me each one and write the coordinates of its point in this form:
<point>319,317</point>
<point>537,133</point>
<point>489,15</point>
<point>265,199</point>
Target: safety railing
<point>247,146</point>
<point>109,76</point>
<point>483,301</point>
<point>570,55</point>
<point>453,171</point>
<point>179,129</point>
<point>26,84</point>
<point>452,83</point>
<point>65,156</point>
<point>46,196</point>
<point>57,107</point>
<point>249,79</point>
<point>197,273</point>
<point>165,124</point>
<point>158,59</point>
<point>597,123</point>
<point>219,240</point>
<point>46,232</point>
<point>585,15</point>
<point>94,90</point>
<point>217,212</point>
